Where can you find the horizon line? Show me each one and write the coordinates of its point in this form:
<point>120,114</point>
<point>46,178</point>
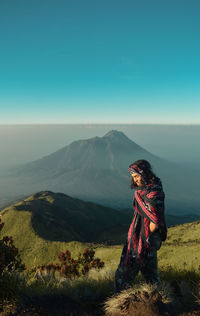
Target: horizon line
<point>99,124</point>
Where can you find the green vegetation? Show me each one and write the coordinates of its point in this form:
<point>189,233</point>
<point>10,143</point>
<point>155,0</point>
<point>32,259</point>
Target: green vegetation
<point>28,293</point>
<point>180,249</point>
<point>182,246</point>
<point>86,295</point>
<point>58,217</point>
<point>40,224</point>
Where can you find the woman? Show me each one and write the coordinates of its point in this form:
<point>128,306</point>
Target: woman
<point>147,230</point>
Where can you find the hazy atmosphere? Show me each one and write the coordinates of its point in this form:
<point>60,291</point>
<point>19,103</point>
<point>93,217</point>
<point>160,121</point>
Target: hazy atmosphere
<point>171,149</point>
<point>74,71</point>
<point>21,144</point>
<point>99,157</point>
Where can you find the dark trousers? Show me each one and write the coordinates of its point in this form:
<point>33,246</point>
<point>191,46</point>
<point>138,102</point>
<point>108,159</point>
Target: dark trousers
<point>124,276</point>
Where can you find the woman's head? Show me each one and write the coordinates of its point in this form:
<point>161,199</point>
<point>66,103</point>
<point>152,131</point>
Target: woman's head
<point>141,173</point>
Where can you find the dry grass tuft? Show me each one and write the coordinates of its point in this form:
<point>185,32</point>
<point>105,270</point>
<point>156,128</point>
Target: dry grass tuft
<point>141,300</point>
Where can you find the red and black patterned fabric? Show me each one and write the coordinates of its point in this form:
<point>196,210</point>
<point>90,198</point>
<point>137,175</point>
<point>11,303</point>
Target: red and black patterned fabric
<point>148,204</point>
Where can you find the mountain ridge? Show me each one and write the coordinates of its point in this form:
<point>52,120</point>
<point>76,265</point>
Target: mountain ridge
<point>111,136</point>
<point>45,223</point>
<point>57,216</point>
<point>96,169</point>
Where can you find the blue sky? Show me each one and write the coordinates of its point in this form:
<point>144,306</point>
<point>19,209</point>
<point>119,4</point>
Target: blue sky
<point>110,61</point>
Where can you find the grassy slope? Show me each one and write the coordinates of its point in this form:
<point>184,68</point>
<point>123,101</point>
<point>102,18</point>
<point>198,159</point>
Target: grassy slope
<point>182,247</point>
<point>35,250</point>
<point>58,217</point>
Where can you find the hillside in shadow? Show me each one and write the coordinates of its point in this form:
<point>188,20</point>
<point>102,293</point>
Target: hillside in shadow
<point>58,217</point>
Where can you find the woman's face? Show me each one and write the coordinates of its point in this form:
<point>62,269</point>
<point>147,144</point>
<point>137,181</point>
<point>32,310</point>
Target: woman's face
<point>137,179</point>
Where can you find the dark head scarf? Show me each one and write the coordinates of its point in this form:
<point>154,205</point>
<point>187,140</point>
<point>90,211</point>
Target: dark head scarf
<point>136,169</point>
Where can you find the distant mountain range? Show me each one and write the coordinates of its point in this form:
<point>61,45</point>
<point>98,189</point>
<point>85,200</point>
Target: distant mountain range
<point>96,169</point>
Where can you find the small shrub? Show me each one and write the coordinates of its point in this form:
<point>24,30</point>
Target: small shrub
<point>9,255</point>
<point>10,266</point>
<point>69,267</point>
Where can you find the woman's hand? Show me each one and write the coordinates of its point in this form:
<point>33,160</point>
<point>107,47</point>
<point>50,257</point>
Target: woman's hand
<point>153,227</point>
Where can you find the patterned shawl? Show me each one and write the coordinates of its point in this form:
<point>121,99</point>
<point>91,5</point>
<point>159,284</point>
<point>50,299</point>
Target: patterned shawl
<point>148,204</point>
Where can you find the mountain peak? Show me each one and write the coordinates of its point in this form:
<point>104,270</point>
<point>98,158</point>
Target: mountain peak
<point>114,134</point>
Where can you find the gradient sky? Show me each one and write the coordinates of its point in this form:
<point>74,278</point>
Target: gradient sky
<point>100,61</point>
